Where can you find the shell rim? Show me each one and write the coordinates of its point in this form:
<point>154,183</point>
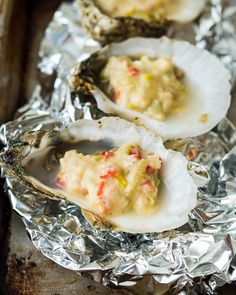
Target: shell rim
<point>28,180</point>
<point>135,116</point>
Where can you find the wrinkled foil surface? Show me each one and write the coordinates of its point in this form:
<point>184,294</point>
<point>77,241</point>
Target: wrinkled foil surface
<point>195,259</point>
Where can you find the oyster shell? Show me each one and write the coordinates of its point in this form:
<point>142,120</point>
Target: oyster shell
<point>205,78</point>
<point>106,28</point>
<point>35,162</point>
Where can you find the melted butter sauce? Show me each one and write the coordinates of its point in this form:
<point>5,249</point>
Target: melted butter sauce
<point>151,86</point>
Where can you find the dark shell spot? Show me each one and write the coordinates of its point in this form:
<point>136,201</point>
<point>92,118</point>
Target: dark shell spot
<point>9,156</point>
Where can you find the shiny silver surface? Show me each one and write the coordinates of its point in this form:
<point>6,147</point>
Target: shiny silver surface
<point>201,251</point>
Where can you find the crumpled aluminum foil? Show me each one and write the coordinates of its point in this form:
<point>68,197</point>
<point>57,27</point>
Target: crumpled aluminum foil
<point>195,259</point>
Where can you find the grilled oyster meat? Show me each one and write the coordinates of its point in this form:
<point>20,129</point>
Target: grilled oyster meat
<point>134,186</point>
<point>153,87</point>
<point>115,181</point>
<point>172,87</point>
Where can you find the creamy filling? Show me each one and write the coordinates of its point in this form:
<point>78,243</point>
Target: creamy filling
<point>151,86</point>
<point>112,182</point>
<point>149,10</point>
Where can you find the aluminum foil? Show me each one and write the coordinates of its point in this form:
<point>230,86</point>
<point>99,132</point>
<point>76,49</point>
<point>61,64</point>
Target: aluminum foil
<point>194,259</point>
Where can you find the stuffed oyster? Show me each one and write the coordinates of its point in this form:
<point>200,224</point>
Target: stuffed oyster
<point>116,20</point>
<point>125,181</point>
<point>171,87</point>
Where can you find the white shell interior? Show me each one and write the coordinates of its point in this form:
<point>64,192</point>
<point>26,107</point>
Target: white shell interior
<point>178,191</point>
<point>187,10</point>
<point>207,81</point>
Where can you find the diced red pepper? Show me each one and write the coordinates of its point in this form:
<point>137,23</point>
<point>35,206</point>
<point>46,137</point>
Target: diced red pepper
<point>59,180</point>
<point>107,155</point>
<point>100,189</point>
<point>147,185</point>
<point>136,153</point>
<point>110,172</point>
<point>133,72</point>
<point>116,95</point>
<point>150,170</point>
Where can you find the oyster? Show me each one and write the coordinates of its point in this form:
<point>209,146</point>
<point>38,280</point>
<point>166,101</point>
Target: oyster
<point>116,20</point>
<point>172,87</point>
<point>42,160</point>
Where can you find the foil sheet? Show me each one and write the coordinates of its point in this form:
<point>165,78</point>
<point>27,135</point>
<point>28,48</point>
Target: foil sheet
<point>194,259</point>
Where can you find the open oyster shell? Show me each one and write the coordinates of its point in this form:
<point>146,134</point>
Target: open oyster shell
<point>206,79</point>
<point>34,160</point>
<point>105,28</point>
